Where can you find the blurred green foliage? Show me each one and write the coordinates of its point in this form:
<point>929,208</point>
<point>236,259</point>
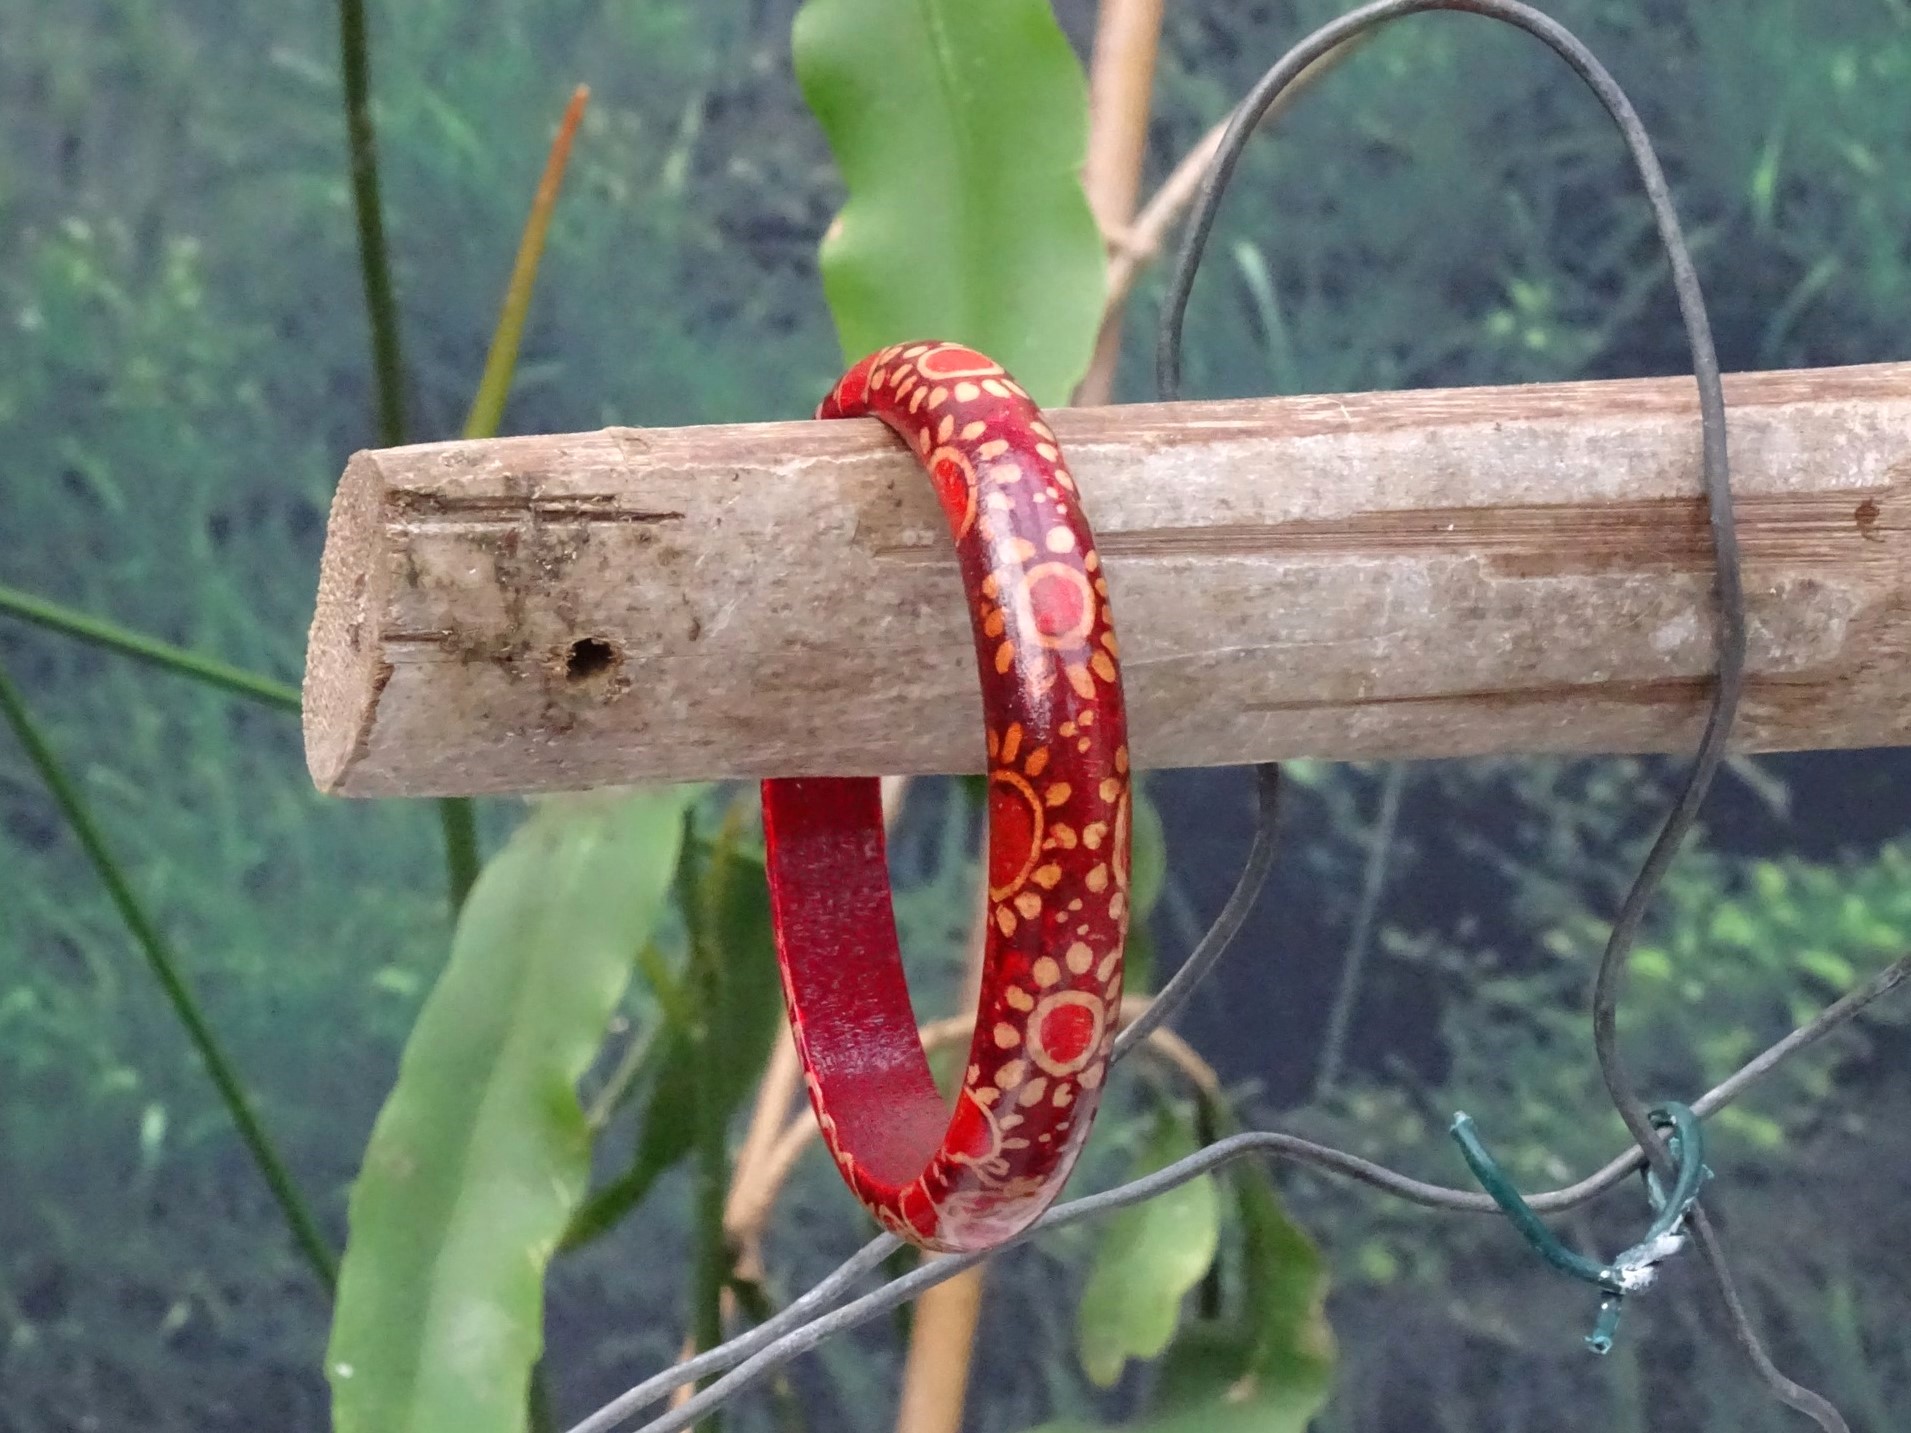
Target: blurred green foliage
<point>182,371</point>
<point>1807,1163</point>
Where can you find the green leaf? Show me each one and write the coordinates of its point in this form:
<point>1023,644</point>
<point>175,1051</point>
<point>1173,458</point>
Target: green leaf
<point>1836,971</point>
<point>1151,1255</point>
<point>481,1153</point>
<point>1284,1297</point>
<point>960,128</point>
<point>1204,1357</point>
<point>1266,1367</point>
<point>744,1024</point>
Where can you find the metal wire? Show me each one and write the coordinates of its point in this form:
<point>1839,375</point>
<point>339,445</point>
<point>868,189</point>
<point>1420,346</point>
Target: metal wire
<point>792,1321</point>
<point>826,1294</point>
<point>820,1313</point>
<point>1610,981</point>
<point>1227,925</point>
<point>755,1355</point>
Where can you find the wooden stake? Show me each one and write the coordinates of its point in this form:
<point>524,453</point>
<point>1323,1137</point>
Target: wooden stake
<point>1121,79</point>
<point>1417,574</point>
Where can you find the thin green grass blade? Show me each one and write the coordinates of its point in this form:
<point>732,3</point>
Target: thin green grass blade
<point>456,815</point>
<point>960,127</point>
<point>56,617</point>
<point>458,822</point>
<point>374,259</point>
<point>164,963</point>
<point>487,409</point>
<point>482,1152</point>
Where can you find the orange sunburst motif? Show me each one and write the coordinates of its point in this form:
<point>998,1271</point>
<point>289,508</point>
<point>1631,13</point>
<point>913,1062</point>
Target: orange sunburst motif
<point>1058,841</point>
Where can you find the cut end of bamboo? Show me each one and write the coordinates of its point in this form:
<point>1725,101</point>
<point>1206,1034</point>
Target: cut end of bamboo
<point>346,667</point>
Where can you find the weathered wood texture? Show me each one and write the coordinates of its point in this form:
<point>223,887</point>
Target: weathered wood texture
<point>1406,575</point>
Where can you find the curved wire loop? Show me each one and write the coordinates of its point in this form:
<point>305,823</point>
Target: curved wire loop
<point>1716,483</point>
<point>1675,1167</point>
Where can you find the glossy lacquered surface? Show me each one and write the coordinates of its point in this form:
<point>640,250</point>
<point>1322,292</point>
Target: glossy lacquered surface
<point>1058,839</point>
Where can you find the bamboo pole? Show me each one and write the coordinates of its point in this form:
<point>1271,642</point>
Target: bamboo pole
<point>1121,81</point>
<point>1419,574</point>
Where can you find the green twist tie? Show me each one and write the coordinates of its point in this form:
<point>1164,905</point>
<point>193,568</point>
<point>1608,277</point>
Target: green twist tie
<point>1633,1270</point>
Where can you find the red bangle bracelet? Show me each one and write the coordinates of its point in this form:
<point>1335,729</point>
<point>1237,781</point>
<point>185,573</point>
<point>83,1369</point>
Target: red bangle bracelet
<point>1058,812</point>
